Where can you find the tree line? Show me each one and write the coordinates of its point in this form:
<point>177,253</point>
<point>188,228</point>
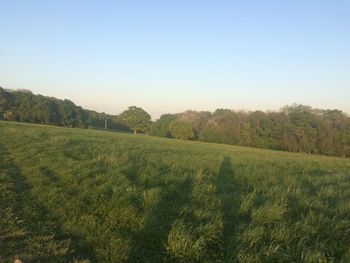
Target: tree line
<point>24,106</point>
<point>295,128</point>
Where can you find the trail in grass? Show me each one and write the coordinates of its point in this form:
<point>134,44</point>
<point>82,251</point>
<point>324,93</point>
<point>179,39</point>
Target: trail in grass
<point>27,229</point>
<point>230,197</point>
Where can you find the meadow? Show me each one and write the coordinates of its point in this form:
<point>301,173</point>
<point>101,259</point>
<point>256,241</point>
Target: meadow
<point>77,195</point>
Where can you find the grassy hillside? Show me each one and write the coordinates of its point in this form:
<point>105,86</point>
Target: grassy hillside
<point>75,195</point>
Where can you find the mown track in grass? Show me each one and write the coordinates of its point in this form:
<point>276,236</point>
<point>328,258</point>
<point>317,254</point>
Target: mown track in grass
<point>28,230</point>
<point>138,198</point>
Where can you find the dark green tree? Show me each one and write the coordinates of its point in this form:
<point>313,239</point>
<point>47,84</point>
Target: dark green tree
<point>136,119</point>
<point>7,103</point>
<point>181,130</point>
<point>161,127</point>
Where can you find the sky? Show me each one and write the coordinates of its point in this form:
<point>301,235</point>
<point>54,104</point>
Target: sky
<point>171,56</point>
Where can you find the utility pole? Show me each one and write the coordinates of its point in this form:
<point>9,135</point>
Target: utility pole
<point>105,124</point>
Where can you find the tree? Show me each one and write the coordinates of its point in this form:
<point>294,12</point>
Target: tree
<point>7,102</point>
<point>181,130</point>
<point>198,119</point>
<point>304,122</point>
<point>161,127</point>
<point>261,128</point>
<point>136,119</point>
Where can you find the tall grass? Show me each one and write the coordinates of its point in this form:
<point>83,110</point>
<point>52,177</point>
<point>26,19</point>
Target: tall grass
<point>126,198</point>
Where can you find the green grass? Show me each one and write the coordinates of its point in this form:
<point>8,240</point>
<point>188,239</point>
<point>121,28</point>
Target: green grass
<point>74,195</point>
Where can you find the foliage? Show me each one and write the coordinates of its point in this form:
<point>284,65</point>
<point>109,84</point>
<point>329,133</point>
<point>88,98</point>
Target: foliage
<point>161,127</point>
<point>199,120</point>
<point>295,128</point>
<point>181,130</point>
<point>136,119</point>
<point>126,198</point>
<point>24,106</point>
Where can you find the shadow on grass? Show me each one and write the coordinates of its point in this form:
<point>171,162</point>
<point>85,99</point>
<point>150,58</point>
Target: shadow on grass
<point>148,244</point>
<point>30,214</point>
<point>230,197</point>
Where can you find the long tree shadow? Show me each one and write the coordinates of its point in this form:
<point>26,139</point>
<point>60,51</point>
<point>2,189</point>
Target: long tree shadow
<point>40,237</point>
<point>230,197</point>
<point>148,244</point>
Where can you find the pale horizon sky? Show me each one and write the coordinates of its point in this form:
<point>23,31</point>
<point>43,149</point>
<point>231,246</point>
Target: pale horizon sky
<point>171,56</point>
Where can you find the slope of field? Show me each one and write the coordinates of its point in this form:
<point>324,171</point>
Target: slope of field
<point>74,194</point>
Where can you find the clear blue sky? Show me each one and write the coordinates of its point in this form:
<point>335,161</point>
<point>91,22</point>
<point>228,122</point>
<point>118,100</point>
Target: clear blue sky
<point>169,56</point>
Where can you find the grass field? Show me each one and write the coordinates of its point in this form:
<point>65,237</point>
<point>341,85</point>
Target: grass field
<point>75,195</point>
